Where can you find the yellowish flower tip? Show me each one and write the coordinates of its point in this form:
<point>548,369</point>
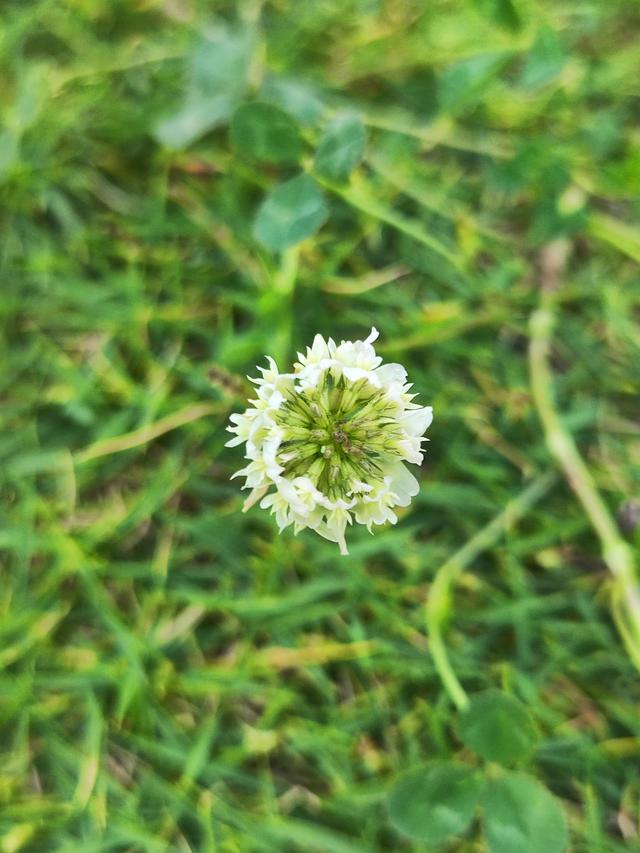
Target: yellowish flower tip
<point>327,443</point>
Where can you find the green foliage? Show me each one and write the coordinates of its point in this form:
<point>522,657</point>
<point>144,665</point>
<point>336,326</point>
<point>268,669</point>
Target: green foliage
<point>435,801</point>
<point>521,816</point>
<point>216,70</point>
<point>290,213</point>
<point>545,61</point>
<point>497,727</point>
<point>464,83</point>
<point>265,132</point>
<point>184,188</point>
<point>341,147</point>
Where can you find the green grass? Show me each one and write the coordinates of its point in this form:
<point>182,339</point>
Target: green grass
<point>175,674</point>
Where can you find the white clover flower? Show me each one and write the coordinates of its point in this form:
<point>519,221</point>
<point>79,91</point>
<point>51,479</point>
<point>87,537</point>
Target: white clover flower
<point>327,443</point>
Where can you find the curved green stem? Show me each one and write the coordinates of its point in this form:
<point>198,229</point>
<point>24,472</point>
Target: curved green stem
<point>439,600</point>
<point>615,551</point>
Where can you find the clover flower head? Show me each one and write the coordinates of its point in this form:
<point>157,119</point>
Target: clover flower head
<point>327,443</point>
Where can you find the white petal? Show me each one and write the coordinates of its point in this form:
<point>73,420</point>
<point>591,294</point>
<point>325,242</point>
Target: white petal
<point>403,484</point>
<point>411,450</point>
<point>388,373</point>
<point>319,349</point>
<point>272,397</point>
<point>416,421</point>
<point>234,441</point>
<point>375,513</point>
<point>333,536</point>
<point>373,336</point>
<point>353,374</point>
<point>255,495</point>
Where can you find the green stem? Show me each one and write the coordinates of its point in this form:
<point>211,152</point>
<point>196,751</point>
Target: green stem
<point>615,551</point>
<point>439,600</point>
<point>280,313</point>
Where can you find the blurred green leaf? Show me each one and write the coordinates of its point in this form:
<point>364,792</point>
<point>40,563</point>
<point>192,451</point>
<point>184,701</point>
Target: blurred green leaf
<point>198,116</point>
<point>545,61</point>
<point>216,78</point>
<point>462,83</point>
<point>435,801</point>
<point>498,727</point>
<point>341,147</point>
<point>30,97</point>
<point>290,213</point>
<point>265,132</point>
<point>503,12</point>
<point>623,236</point>
<point>9,151</point>
<point>220,60</point>
<point>298,97</point>
<point>521,816</point>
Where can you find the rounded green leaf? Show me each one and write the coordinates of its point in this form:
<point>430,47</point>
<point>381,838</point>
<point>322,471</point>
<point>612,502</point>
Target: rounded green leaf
<point>265,132</point>
<point>290,213</point>
<point>341,147</point>
<point>434,801</point>
<point>497,727</point>
<point>521,816</point>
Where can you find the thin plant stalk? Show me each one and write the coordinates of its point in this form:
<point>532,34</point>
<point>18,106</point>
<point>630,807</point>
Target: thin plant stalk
<point>616,553</point>
<point>439,600</point>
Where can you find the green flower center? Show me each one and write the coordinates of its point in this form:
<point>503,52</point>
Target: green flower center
<point>338,434</point>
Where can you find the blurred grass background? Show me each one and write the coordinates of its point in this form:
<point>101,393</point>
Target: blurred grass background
<point>175,675</point>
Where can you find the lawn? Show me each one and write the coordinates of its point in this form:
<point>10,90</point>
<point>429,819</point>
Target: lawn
<point>187,187</point>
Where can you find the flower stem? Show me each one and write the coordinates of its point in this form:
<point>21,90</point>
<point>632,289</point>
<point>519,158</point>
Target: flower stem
<point>616,553</point>
<point>439,601</point>
<point>280,314</point>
